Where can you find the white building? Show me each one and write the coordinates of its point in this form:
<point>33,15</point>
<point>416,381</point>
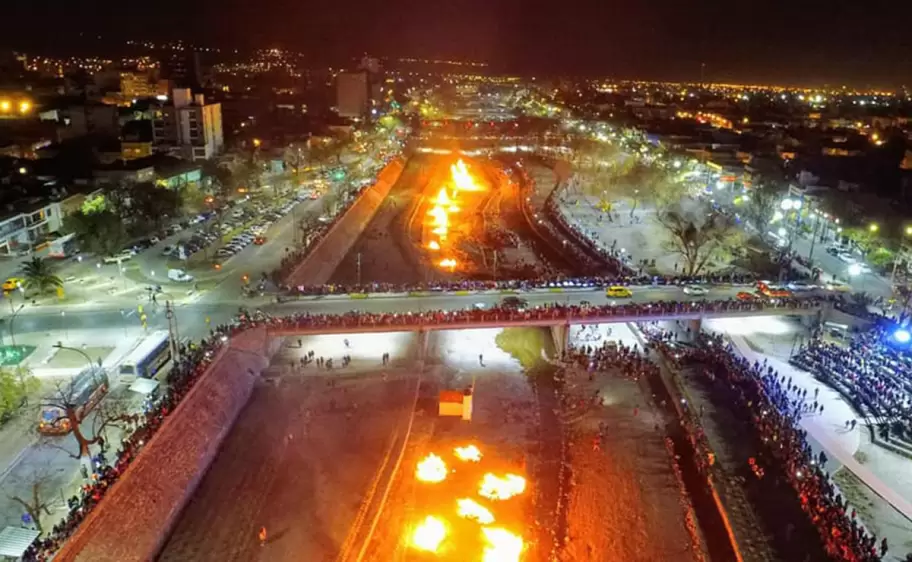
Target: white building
<point>22,230</point>
<point>353,94</point>
<point>189,128</point>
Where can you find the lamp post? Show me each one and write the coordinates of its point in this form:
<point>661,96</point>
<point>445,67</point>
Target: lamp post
<point>88,359</point>
<point>15,313</point>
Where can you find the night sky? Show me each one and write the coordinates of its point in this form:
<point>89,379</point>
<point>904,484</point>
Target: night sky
<point>810,42</point>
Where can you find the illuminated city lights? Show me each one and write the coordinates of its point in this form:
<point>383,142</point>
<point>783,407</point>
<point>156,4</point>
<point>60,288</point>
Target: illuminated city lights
<point>434,245</point>
<point>429,534</point>
<point>468,453</point>
<point>501,545</point>
<point>501,488</point>
<point>471,509</point>
<point>431,469</point>
<point>448,263</point>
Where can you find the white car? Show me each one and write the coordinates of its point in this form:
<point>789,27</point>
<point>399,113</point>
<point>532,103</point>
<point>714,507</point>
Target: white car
<point>695,290</point>
<point>123,256</point>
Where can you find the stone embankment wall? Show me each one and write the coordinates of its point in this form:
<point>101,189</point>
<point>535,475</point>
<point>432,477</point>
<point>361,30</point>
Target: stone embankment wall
<point>136,516</point>
<point>328,253</point>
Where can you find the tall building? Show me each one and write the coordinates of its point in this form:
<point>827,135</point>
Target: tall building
<point>139,85</point>
<point>353,94</point>
<point>183,68</point>
<point>189,128</point>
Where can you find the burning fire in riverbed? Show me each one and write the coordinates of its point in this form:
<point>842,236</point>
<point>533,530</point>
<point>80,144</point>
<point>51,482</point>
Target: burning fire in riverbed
<point>465,529</point>
<point>444,205</point>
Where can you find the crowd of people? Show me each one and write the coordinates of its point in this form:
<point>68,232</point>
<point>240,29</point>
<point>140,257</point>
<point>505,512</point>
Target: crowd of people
<point>775,405</point>
<point>544,283</point>
<point>547,313</point>
<point>874,376</point>
<point>138,430</point>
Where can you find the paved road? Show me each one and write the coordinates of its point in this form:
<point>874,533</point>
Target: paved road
<point>192,317</point>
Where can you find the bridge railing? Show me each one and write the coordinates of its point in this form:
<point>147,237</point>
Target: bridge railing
<point>539,316</point>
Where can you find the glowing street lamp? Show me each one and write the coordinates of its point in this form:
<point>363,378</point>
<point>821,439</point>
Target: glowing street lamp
<point>873,227</point>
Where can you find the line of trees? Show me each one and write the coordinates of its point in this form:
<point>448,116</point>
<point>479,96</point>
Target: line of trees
<point>106,222</point>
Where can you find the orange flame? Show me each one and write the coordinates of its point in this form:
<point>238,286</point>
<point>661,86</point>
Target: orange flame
<point>502,545</point>
<point>431,469</point>
<point>468,453</point>
<point>496,488</point>
<point>471,509</point>
<point>429,534</point>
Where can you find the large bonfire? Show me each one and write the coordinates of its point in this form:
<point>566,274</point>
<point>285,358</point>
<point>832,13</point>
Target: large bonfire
<point>465,528</point>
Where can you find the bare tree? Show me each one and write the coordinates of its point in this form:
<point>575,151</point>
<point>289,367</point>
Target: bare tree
<point>699,237</point>
<point>37,502</point>
<point>761,206</point>
<point>87,425</point>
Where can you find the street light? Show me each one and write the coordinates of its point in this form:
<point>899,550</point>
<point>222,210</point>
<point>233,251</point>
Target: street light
<point>13,316</point>
<point>873,227</point>
<point>91,363</point>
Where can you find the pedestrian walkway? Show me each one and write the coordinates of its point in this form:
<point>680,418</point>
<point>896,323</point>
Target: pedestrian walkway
<point>827,428</point>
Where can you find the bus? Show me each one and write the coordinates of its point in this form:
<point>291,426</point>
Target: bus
<point>63,247</point>
<point>84,391</point>
<point>148,358</point>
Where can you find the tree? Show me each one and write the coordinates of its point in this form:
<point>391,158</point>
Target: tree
<point>102,233</point>
<point>699,237</point>
<point>87,427</point>
<point>760,206</point>
<point>151,206</point>
<point>221,187</point>
<point>39,275</point>
<point>15,388</point>
<point>37,503</point>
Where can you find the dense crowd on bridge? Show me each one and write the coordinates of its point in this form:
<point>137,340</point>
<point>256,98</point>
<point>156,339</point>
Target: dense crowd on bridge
<point>870,373</point>
<point>775,406</point>
<point>139,429</point>
<point>550,313</point>
<point>509,285</point>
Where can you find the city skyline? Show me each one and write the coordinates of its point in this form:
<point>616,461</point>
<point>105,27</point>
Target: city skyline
<point>784,44</point>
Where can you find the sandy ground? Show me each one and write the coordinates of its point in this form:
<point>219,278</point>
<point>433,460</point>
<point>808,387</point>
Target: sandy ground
<point>624,503</point>
<point>298,462</point>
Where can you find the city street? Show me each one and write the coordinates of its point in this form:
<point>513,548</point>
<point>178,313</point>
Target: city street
<point>192,317</point>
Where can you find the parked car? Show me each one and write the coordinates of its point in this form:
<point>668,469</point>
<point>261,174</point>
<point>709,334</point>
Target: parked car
<point>259,240</point>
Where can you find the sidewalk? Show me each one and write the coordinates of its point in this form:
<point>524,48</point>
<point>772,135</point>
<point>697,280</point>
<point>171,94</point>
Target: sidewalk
<point>828,431</point>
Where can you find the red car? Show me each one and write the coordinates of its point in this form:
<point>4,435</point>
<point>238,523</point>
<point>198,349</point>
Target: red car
<point>259,240</point>
<point>745,296</point>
